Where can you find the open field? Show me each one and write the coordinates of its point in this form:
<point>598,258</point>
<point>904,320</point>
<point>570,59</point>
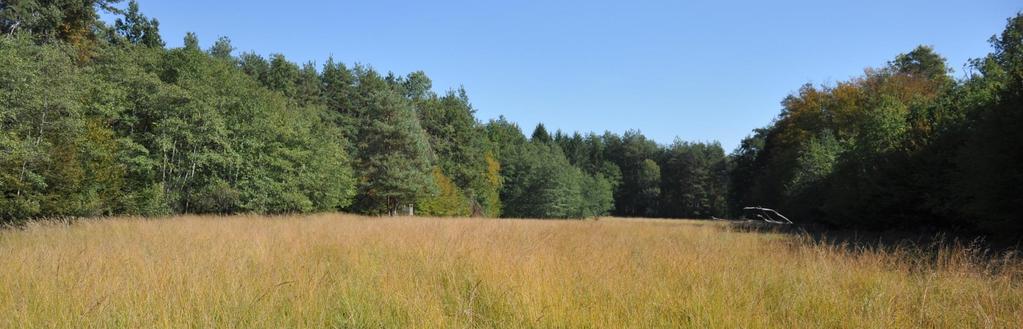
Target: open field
<point>349,271</point>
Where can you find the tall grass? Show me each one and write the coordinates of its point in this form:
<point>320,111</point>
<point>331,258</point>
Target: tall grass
<point>357,272</point>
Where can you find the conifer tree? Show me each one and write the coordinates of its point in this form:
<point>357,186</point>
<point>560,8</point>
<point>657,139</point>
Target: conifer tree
<point>540,135</point>
<point>137,29</point>
<point>395,160</point>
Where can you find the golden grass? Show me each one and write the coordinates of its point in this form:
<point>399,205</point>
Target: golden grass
<point>348,271</point>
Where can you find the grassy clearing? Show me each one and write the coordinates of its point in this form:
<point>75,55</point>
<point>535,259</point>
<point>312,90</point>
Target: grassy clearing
<point>349,271</point>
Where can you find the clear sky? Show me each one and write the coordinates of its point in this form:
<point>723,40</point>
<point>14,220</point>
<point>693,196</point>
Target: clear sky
<point>698,70</point>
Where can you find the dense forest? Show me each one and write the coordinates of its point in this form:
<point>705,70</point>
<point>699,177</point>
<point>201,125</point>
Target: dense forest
<point>100,118</point>
<point>902,146</point>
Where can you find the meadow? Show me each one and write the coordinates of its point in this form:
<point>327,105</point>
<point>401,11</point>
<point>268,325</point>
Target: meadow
<point>347,271</point>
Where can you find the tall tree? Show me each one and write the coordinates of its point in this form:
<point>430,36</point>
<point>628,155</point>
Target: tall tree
<point>191,41</point>
<point>395,160</point>
<point>693,181</point>
<point>137,29</point>
<point>638,193</point>
<point>540,135</point>
<point>222,48</point>
<point>41,131</point>
<point>70,21</point>
<point>282,76</point>
<point>460,144</point>
<point>992,178</point>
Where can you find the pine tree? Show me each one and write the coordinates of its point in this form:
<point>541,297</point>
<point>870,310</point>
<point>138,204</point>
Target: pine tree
<point>282,76</point>
<point>395,160</point>
<point>460,144</point>
<point>191,41</point>
<point>137,29</point>
<point>222,48</point>
<point>540,135</point>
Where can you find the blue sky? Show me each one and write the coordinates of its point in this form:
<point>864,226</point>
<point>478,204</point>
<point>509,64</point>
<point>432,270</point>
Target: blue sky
<point>697,70</point>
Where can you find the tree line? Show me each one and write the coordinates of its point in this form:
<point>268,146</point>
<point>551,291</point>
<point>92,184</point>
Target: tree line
<point>104,119</point>
<point>906,145</point>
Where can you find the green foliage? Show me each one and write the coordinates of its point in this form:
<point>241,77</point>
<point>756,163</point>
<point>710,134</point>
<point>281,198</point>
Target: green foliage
<point>903,146</point>
<point>395,160</point>
<point>648,179</point>
<point>42,126</point>
<point>337,94</point>
<point>137,29</point>
<point>635,155</point>
<point>597,195</point>
<point>540,135</point>
<point>504,136</point>
<point>838,154</point>
<point>222,48</point>
<point>539,183</point>
<point>816,162</point>
<point>191,41</point>
<point>449,201</point>
<point>282,76</point>
<point>143,130</point>
<point>694,183</point>
<point>48,21</point>
<point>459,142</point>
<point>991,157</point>
<point>744,170</point>
<point>556,187</point>
<point>101,120</point>
<point>255,66</point>
<point>493,180</point>
<point>226,145</point>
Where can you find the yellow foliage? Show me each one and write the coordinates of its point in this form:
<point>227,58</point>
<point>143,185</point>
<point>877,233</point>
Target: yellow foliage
<point>449,201</point>
<point>494,182</point>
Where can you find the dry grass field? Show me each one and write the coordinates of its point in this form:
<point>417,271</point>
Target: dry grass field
<point>357,272</point>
